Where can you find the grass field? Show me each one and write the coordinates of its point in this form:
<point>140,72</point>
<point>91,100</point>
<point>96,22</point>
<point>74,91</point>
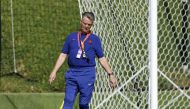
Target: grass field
<point>54,100</point>
<point>40,29</point>
<point>32,101</point>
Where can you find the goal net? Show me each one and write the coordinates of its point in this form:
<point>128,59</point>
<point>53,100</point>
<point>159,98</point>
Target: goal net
<point>123,28</point>
<point>33,33</point>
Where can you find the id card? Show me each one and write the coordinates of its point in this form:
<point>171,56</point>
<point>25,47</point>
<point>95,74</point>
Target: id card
<point>79,53</point>
<point>83,54</point>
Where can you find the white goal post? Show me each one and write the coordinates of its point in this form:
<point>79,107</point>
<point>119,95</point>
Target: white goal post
<point>153,92</point>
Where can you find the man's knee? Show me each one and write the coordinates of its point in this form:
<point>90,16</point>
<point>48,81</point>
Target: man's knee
<point>68,103</point>
<point>84,106</point>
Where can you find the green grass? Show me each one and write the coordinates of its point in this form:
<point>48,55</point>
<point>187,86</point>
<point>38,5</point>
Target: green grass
<point>40,29</point>
<point>32,101</point>
<point>54,100</point>
<point>21,85</point>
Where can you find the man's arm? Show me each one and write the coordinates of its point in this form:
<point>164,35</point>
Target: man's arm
<point>58,64</point>
<point>103,61</point>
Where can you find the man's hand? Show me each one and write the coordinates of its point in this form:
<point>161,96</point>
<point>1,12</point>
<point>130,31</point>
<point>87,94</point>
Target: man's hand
<point>52,77</point>
<point>58,64</point>
<point>113,81</point>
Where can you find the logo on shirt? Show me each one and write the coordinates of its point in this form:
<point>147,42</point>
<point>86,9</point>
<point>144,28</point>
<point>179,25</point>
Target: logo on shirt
<point>89,41</point>
<point>89,84</point>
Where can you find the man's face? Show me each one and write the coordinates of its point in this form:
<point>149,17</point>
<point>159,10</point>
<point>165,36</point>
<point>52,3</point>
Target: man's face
<point>86,24</point>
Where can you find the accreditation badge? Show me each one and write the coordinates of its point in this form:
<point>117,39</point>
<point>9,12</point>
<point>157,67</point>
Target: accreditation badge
<point>83,54</point>
<point>79,53</point>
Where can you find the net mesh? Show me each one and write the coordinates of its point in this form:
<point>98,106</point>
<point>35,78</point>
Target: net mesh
<point>173,54</point>
<point>123,28</point>
<point>124,34</point>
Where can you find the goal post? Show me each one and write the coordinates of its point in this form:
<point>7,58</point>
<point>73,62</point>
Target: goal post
<point>153,55</point>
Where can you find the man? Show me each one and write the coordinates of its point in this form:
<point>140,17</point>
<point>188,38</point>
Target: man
<point>81,48</point>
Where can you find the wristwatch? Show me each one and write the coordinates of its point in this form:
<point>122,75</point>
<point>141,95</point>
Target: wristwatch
<point>109,74</point>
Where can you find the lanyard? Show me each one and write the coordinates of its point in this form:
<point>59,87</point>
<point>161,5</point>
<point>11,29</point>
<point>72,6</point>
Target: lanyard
<point>81,42</point>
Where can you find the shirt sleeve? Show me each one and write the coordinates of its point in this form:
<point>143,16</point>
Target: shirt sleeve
<point>98,48</point>
<point>65,48</point>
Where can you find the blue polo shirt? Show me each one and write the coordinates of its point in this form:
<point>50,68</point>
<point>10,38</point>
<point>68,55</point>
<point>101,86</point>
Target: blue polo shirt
<point>93,48</point>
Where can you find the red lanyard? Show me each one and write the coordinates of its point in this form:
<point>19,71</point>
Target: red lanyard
<point>81,42</point>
